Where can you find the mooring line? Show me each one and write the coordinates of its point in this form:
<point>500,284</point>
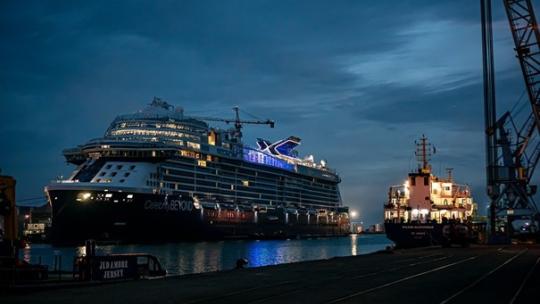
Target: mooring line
<point>482,277</point>
<point>400,280</point>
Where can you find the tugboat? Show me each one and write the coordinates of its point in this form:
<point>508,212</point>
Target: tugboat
<point>428,210</point>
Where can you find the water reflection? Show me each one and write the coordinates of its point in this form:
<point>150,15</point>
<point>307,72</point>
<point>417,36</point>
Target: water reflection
<point>354,248</point>
<point>183,258</point>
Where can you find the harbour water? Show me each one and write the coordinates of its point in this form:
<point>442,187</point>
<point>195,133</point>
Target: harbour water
<point>197,257</point>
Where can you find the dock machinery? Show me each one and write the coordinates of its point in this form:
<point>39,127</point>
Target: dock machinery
<point>512,142</point>
<point>8,217</point>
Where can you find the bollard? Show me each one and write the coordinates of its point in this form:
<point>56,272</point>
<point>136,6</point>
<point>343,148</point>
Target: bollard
<point>241,263</point>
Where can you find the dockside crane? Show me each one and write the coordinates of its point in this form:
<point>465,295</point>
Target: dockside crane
<point>237,134</point>
<point>512,147</point>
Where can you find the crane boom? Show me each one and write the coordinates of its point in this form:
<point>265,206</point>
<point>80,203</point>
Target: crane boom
<point>524,30</point>
<point>238,122</point>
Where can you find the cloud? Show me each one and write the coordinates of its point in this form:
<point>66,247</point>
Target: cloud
<point>358,81</point>
<point>437,55</point>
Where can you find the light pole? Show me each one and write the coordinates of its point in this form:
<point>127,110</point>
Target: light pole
<point>354,215</point>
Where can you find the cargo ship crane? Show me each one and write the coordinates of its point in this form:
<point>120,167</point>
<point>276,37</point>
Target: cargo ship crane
<point>512,148</point>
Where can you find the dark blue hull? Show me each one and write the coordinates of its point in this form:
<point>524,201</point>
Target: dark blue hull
<point>156,218</point>
<point>406,235</point>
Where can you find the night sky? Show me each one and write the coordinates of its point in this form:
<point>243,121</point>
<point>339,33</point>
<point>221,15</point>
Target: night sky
<point>358,81</point>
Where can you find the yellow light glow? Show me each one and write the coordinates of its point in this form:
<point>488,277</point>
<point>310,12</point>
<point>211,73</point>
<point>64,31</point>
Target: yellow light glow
<point>84,196</point>
<point>354,213</point>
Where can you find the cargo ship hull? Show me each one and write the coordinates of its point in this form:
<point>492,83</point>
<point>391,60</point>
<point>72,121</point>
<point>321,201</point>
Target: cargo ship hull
<point>406,235</point>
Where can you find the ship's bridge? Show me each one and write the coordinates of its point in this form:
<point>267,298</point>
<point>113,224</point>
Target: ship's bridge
<point>158,122</point>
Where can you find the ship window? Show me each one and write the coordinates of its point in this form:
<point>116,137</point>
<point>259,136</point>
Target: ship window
<point>426,180</point>
<point>113,173</point>
<point>131,167</point>
<point>98,180</point>
<point>193,145</point>
<point>126,174</point>
<point>108,167</point>
<point>102,173</point>
<point>119,167</point>
<point>413,181</point>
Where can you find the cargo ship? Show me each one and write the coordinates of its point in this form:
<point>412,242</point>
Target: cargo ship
<point>421,210</point>
<point>159,175</point>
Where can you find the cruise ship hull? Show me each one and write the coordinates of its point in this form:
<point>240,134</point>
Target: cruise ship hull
<point>407,235</point>
<point>147,217</point>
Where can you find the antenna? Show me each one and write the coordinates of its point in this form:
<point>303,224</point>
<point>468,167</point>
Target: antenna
<point>423,154</point>
<point>449,172</point>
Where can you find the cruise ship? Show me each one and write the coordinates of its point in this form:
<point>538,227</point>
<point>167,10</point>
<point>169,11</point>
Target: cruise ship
<point>425,209</point>
<point>160,175</point>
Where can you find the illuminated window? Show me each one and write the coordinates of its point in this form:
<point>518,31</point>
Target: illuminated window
<point>189,154</point>
<point>212,138</point>
<point>245,183</point>
<point>208,157</point>
<point>194,145</point>
<point>201,163</point>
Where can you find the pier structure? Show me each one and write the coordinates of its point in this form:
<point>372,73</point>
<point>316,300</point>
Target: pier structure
<point>426,275</point>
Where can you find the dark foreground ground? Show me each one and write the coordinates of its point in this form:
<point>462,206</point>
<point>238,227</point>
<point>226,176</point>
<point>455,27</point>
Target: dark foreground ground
<point>430,275</point>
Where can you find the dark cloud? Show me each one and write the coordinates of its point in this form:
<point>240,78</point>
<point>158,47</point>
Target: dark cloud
<point>357,80</point>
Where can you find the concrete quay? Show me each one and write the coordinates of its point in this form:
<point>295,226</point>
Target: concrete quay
<point>479,274</point>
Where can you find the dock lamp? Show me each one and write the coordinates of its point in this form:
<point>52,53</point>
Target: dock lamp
<point>353,214</point>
